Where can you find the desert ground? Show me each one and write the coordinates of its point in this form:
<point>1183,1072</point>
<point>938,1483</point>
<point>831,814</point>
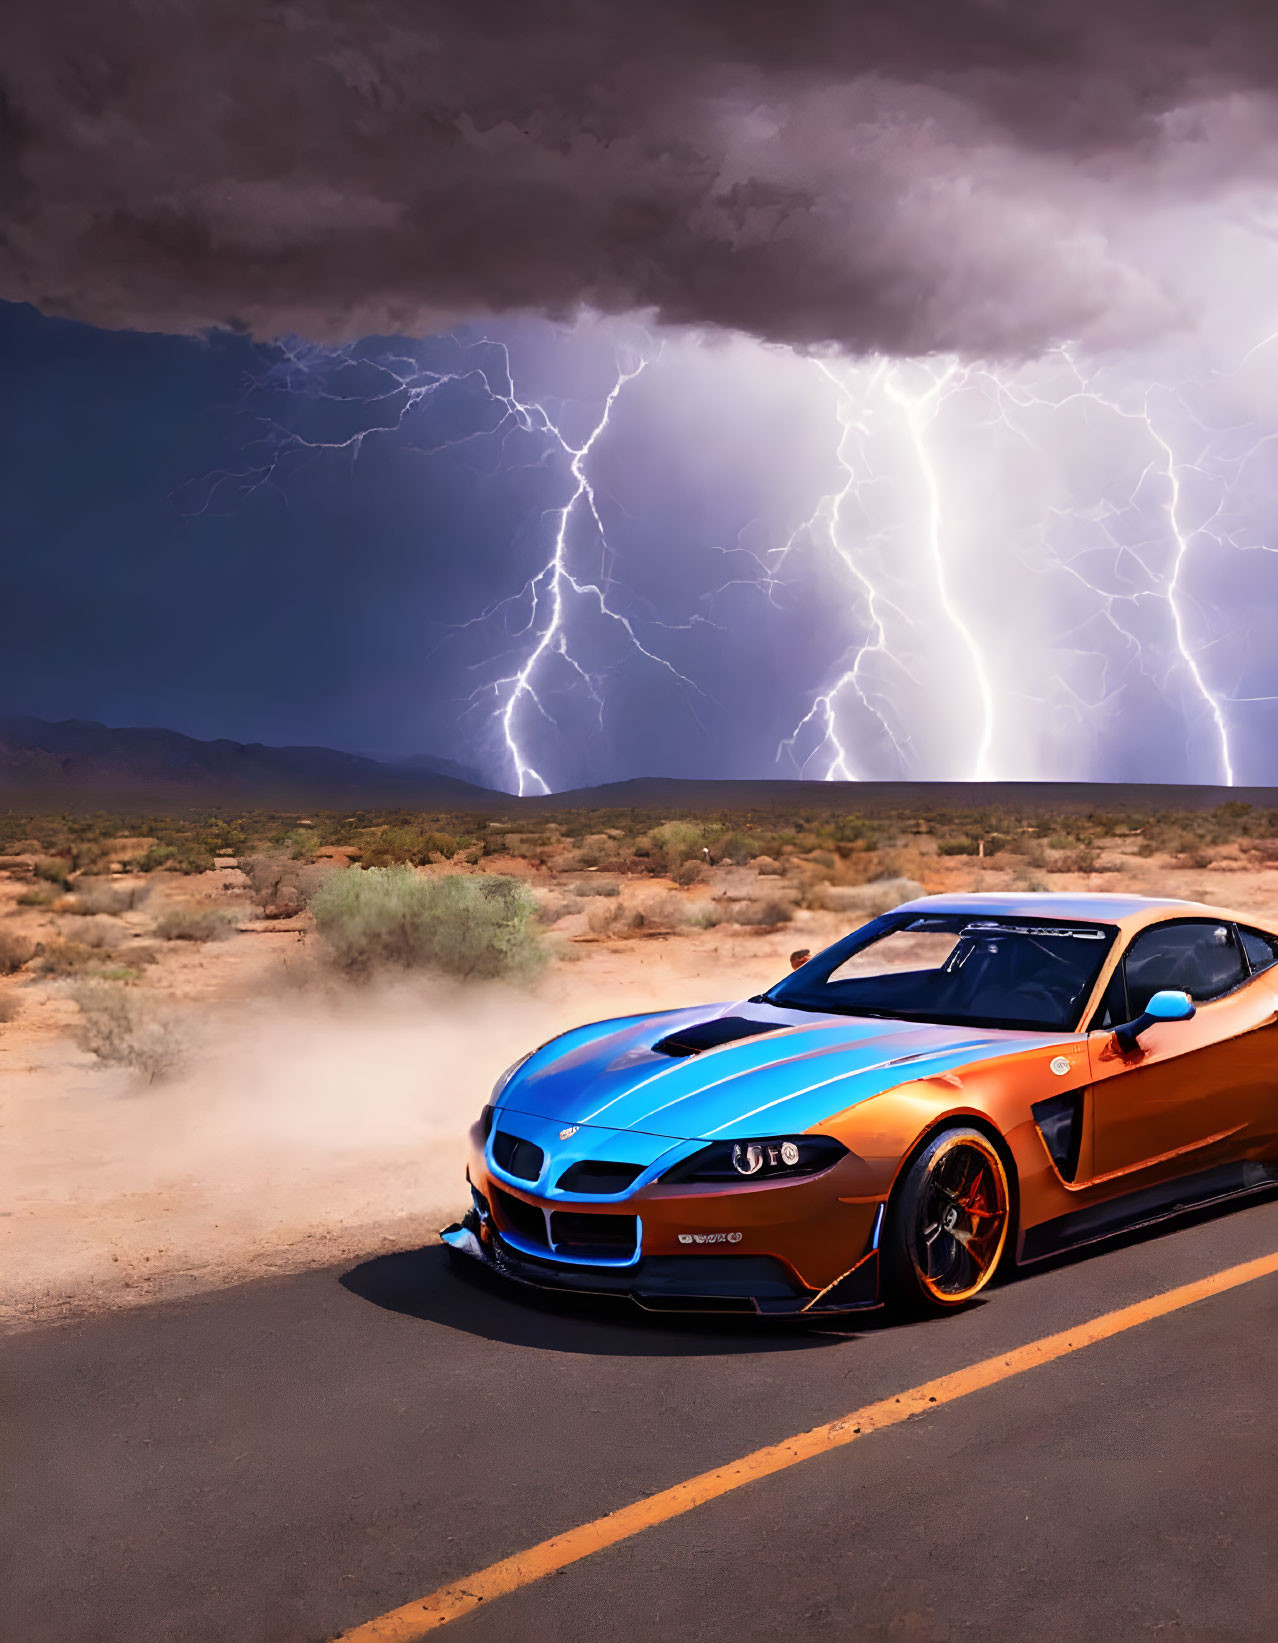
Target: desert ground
<point>247,1393</point>
<point>288,1117</point>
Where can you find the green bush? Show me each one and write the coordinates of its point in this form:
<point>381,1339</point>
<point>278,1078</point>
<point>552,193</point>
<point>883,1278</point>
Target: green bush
<point>470,927</point>
<point>674,842</point>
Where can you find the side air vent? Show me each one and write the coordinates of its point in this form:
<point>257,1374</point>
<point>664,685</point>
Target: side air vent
<point>1060,1121</point>
<point>522,1159</point>
<point>592,1175</point>
<point>708,1035</point>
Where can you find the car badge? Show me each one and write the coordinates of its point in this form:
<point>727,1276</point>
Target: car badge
<point>1060,1065</point>
<point>567,1133</point>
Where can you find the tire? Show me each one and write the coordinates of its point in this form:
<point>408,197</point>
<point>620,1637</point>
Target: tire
<point>947,1224</point>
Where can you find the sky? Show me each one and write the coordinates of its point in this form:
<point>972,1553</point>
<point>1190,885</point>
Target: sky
<point>700,389</point>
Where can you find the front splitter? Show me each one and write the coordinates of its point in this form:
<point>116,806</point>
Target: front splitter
<point>716,1285</point>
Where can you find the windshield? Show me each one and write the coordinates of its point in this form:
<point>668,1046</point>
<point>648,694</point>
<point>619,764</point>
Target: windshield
<point>962,969</point>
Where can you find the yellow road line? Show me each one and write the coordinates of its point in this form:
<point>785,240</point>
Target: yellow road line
<point>451,1602</point>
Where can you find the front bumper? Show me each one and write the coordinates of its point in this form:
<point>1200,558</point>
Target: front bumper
<point>758,1285</point>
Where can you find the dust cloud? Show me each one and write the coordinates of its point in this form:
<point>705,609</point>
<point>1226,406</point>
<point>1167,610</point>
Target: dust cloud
<point>308,1127</point>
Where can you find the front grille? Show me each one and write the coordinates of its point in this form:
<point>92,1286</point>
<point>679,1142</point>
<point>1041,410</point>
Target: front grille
<point>576,1234</point>
<point>593,1175</point>
<point>518,1157</point>
<point>524,1220</point>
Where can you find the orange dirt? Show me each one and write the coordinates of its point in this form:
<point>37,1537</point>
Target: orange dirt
<point>317,1121</point>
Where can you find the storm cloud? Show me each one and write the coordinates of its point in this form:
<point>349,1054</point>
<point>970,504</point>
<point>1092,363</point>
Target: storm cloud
<point>910,176</point>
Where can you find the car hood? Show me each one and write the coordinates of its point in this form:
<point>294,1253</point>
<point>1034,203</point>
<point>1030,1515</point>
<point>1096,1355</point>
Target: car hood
<point>779,1082</point>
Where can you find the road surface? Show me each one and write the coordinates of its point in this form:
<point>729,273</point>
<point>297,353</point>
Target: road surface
<point>279,1462</point>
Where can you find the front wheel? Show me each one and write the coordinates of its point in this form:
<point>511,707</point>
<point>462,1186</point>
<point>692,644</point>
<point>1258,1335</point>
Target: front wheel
<point>947,1223</point>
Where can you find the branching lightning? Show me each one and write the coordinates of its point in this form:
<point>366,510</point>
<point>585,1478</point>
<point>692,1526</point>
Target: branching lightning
<point>402,386</point>
<point>1000,404</point>
<point>551,587</point>
<point>1017,548</point>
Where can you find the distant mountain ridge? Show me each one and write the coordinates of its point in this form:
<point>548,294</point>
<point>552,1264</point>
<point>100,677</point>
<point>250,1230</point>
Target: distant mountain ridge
<point>79,764</point>
<point>74,761</point>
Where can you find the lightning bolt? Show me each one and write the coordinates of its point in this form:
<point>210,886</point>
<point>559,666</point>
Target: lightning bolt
<point>916,393</point>
<point>336,378</point>
<point>928,674</point>
<point>866,397</point>
<point>552,588</point>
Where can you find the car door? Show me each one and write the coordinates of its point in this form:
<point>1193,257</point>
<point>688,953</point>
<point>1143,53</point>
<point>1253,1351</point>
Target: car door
<point>1190,1087</point>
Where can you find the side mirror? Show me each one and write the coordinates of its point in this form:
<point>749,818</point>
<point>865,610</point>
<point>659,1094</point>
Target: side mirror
<point>1168,1005</point>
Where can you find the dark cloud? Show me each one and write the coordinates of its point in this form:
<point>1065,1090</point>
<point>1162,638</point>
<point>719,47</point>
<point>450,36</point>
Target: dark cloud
<point>903,176</point>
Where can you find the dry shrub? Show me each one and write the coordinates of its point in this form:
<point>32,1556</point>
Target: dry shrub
<point>659,912</point>
<point>67,958</point>
<point>412,846</point>
<point>280,886</point>
<point>194,924</point>
<point>101,932</point>
<point>53,869</point>
<point>40,896</point>
<point>553,905</point>
<point>596,849</point>
<point>126,1028</point>
<point>596,887</point>
<point>471,927</point>
<point>738,848</point>
<point>602,916</point>
<point>768,911</point>
<point>691,872</point>
<point>866,900</point>
<point>767,866</point>
<point>9,1007</point>
<point>1073,861</point>
<point>15,951</point>
<point>93,896</point>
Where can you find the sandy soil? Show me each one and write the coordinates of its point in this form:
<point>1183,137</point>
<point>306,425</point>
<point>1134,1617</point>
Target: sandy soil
<point>315,1121</point>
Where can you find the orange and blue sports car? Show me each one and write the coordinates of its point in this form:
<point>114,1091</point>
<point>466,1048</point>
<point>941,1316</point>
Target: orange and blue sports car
<point>963,1079</point>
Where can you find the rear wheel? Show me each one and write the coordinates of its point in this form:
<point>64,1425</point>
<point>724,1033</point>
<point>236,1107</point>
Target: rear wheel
<point>947,1223</point>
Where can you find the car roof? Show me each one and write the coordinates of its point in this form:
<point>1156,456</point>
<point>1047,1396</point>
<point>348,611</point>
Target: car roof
<point>1102,907</point>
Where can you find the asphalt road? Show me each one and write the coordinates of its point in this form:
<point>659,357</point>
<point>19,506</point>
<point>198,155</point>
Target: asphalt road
<point>277,1462</point>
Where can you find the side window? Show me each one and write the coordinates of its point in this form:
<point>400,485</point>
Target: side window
<point>1199,957</point>
<point>1261,950</point>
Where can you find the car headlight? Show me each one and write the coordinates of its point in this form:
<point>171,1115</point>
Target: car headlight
<point>774,1158</point>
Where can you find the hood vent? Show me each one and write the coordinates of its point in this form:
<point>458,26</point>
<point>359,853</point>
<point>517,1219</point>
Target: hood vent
<point>708,1035</point>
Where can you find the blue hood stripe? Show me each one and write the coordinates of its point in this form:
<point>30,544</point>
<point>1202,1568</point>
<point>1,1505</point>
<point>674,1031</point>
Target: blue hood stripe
<point>613,1073</point>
